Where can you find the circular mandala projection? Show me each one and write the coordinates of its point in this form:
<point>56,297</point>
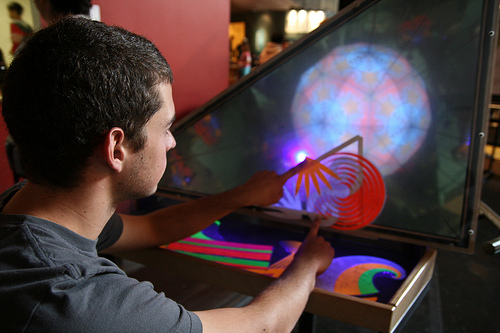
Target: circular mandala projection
<point>359,194</point>
<point>364,90</point>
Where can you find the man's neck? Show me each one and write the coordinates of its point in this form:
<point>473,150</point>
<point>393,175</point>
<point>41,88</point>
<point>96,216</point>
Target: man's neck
<point>84,211</point>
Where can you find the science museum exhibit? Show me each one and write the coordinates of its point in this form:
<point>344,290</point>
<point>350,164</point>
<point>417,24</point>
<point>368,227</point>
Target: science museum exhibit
<point>386,106</point>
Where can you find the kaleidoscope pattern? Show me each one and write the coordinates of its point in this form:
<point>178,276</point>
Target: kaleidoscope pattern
<point>366,90</point>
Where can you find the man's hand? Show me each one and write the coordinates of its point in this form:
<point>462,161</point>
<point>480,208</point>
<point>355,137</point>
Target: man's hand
<point>176,222</point>
<point>279,306</point>
<point>316,249</point>
<point>265,188</point>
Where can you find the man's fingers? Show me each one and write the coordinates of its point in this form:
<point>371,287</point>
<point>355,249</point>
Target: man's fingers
<point>313,231</point>
<point>293,171</point>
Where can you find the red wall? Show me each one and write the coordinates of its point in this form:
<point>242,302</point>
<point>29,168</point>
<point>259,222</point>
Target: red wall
<point>6,176</point>
<point>191,34</point>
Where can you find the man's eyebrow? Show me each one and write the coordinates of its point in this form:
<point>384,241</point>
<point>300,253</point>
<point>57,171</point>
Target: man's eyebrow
<point>170,122</point>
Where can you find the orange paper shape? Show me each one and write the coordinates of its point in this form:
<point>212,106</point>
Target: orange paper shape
<point>313,170</point>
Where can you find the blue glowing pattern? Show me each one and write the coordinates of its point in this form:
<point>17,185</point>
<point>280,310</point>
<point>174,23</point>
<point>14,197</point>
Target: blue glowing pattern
<point>366,90</point>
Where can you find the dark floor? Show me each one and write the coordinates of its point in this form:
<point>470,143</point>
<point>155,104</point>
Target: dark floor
<point>462,296</point>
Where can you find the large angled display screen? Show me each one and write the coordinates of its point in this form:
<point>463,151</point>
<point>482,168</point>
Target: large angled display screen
<point>385,101</point>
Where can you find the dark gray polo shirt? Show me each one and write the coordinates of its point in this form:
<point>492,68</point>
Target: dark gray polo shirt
<point>52,280</point>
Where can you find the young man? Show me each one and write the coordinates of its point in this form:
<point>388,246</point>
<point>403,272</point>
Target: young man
<point>126,232</point>
<point>93,129</point>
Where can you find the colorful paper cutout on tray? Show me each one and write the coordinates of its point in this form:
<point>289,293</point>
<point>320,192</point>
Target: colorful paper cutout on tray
<point>356,275</point>
<point>360,276</point>
<point>241,255</point>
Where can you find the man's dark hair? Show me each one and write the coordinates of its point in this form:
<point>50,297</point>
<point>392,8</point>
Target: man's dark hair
<point>70,84</point>
<point>14,6</point>
<point>71,7</point>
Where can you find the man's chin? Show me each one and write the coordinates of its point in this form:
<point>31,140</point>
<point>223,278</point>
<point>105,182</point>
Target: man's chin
<point>148,194</point>
<point>138,195</point>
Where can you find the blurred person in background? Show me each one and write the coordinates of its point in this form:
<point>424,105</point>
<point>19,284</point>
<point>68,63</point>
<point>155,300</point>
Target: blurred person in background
<point>19,30</point>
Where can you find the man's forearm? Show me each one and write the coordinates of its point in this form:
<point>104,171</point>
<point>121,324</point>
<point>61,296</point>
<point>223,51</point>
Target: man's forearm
<point>182,220</point>
<point>179,221</point>
<point>172,223</point>
<point>276,309</point>
<point>279,306</point>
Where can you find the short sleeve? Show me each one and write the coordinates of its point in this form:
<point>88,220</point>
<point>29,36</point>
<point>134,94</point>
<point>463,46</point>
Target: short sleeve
<point>112,303</point>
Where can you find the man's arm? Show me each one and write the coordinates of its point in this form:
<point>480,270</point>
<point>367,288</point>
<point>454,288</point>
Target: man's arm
<point>176,222</point>
<point>278,307</point>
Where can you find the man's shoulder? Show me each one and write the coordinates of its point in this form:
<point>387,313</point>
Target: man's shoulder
<point>56,282</point>
<point>99,302</point>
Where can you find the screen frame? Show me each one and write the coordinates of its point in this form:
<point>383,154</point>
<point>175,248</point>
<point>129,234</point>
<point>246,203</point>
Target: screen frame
<point>475,163</point>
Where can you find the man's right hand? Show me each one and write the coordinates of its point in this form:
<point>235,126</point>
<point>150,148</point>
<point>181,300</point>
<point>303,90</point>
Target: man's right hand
<point>316,250</point>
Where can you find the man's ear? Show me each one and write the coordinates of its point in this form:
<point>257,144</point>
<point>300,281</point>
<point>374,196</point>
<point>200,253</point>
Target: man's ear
<point>115,149</point>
